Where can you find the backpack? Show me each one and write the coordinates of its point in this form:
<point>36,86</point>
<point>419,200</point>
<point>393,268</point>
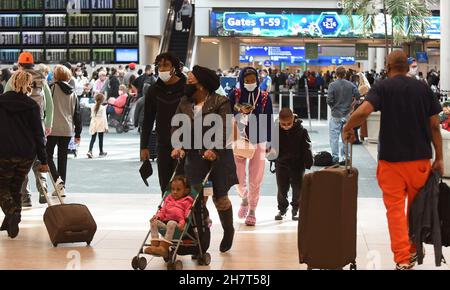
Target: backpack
<point>37,91</point>
<point>148,82</point>
<point>444,213</point>
<point>323,158</point>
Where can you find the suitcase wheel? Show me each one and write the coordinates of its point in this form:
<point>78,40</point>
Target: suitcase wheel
<point>135,263</point>
<point>89,243</point>
<point>55,245</point>
<point>142,263</point>
<point>353,267</point>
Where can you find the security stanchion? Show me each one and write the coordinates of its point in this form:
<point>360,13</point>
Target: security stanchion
<point>308,107</point>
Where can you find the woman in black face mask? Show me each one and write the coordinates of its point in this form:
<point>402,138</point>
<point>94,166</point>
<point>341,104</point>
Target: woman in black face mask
<point>202,102</point>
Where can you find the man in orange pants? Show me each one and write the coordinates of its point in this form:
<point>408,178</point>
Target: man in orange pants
<point>409,124</point>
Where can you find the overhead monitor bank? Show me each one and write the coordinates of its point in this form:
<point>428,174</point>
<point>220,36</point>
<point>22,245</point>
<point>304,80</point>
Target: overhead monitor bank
<point>329,24</point>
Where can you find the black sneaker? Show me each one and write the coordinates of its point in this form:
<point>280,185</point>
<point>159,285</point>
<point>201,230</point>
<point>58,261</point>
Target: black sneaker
<point>103,154</point>
<point>13,227</point>
<point>26,200</point>
<point>295,214</point>
<point>279,216</point>
<point>42,199</point>
<point>404,267</point>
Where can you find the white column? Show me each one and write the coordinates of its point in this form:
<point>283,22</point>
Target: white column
<point>372,57</point>
<point>445,45</point>
<point>380,58</point>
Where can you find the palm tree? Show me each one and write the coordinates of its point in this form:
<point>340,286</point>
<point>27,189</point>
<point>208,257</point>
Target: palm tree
<point>408,18</point>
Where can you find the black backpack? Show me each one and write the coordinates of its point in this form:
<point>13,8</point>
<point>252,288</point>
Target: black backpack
<point>444,213</point>
<point>323,158</point>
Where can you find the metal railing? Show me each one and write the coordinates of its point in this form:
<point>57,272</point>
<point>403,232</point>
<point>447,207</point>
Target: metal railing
<point>165,41</point>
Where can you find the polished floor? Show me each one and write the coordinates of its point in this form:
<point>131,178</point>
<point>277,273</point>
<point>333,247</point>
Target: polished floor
<point>122,225</point>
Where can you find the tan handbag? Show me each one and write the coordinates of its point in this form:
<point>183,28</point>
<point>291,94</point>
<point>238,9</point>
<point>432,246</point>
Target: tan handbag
<point>242,148</point>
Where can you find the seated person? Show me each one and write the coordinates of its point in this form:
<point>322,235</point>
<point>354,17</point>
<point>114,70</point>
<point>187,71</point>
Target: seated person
<point>117,105</point>
<point>444,116</point>
<point>173,214</point>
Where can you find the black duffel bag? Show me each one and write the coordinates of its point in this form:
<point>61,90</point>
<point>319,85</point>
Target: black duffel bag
<point>323,158</point>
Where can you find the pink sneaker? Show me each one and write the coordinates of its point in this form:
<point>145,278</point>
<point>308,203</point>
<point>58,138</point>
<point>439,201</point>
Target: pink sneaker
<point>243,211</point>
<point>250,220</point>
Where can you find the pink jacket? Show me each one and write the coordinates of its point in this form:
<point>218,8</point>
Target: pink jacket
<point>175,210</point>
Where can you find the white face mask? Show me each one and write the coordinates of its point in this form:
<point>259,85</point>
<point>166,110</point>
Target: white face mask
<point>413,71</point>
<point>165,76</point>
<point>250,87</point>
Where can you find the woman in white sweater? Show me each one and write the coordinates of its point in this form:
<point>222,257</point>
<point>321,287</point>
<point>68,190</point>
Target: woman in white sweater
<point>99,124</point>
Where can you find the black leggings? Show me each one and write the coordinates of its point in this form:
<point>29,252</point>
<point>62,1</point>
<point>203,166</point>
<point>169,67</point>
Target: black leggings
<point>63,147</point>
<point>100,142</point>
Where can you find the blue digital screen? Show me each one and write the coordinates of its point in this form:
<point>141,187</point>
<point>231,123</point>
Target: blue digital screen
<point>273,50</point>
<point>293,60</point>
<point>322,25</point>
<point>127,55</point>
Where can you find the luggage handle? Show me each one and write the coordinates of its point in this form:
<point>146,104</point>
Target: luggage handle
<point>348,157</point>
<point>76,232</point>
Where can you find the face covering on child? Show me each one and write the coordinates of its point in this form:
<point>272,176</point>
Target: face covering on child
<point>251,87</point>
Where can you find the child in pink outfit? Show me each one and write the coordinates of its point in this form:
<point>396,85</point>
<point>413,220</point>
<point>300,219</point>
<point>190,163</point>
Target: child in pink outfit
<point>173,214</point>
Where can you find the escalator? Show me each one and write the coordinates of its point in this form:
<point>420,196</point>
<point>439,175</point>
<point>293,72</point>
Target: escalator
<point>178,42</point>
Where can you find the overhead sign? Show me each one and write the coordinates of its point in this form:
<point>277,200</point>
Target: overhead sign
<point>362,51</point>
<point>312,50</point>
<point>273,50</point>
<point>314,24</point>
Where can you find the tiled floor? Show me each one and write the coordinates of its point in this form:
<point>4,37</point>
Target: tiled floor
<point>122,225</point>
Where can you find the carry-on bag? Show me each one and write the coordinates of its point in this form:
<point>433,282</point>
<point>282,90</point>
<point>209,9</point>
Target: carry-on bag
<point>179,22</point>
<point>68,223</point>
<point>328,213</point>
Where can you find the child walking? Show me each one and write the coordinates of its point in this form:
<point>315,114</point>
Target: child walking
<point>294,156</point>
<point>173,214</point>
<point>99,125</point>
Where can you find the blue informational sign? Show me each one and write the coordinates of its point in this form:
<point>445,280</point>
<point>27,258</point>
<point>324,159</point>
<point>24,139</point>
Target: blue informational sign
<point>273,50</point>
<point>267,63</point>
<point>228,83</point>
<point>314,24</point>
<point>246,22</point>
<point>293,60</point>
<point>422,57</point>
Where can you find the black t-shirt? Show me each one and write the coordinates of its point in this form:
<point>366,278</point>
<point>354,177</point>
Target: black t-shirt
<point>406,106</point>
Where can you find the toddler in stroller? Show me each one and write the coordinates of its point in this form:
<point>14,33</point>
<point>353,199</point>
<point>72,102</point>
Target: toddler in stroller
<point>182,220</point>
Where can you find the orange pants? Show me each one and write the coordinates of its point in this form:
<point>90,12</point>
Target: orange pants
<point>398,181</point>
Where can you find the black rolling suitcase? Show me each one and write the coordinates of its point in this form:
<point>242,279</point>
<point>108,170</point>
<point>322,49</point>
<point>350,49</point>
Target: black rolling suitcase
<point>68,223</point>
<point>327,228</point>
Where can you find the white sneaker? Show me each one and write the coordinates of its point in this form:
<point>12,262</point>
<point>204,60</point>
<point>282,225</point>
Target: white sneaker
<point>60,186</point>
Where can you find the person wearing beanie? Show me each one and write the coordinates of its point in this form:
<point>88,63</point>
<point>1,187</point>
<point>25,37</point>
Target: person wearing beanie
<point>22,140</point>
<point>131,72</point>
<point>201,101</point>
<point>42,95</point>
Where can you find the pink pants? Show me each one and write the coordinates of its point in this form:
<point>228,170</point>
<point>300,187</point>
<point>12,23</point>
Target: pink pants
<point>256,174</point>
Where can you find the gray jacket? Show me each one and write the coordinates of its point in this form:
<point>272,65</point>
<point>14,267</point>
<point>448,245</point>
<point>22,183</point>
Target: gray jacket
<point>67,115</point>
<point>340,97</point>
<point>424,222</point>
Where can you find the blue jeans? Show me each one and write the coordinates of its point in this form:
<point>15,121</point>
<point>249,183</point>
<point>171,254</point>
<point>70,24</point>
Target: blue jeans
<point>336,125</point>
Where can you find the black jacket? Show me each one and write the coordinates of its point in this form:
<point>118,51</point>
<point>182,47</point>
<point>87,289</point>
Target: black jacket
<point>21,128</point>
<point>161,103</point>
<point>295,145</point>
<point>113,87</point>
<point>424,222</point>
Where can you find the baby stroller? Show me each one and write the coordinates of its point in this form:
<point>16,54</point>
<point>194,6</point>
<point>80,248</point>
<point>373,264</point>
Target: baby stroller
<point>194,240</point>
<point>121,121</point>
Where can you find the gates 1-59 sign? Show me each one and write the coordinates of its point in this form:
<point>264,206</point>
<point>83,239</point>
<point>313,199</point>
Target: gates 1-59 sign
<point>245,22</point>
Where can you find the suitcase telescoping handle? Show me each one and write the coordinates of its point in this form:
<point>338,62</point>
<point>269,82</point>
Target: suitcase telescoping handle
<point>348,156</point>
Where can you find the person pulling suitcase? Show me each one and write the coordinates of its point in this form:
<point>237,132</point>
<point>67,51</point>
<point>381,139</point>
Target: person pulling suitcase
<point>294,156</point>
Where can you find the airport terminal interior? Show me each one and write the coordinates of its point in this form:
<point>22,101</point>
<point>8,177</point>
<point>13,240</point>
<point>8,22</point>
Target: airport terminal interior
<point>109,77</point>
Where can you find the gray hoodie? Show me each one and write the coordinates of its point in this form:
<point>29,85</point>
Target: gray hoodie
<point>67,115</point>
